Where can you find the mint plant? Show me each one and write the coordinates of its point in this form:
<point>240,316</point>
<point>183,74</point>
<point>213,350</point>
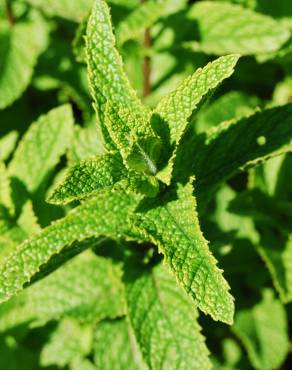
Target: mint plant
<point>153,231</point>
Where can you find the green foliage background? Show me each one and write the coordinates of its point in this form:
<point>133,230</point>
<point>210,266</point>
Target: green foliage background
<point>145,184</point>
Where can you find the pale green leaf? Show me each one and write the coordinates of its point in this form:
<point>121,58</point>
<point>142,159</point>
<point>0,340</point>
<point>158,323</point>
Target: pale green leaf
<point>7,144</point>
<point>105,215</point>
<point>72,10</point>
<point>86,143</point>
<point>134,137</point>
<point>68,341</point>
<point>125,3</point>
<point>115,347</point>
<point>165,322</point>
<point>144,16</point>
<point>81,364</point>
<point>228,28</point>
<point>173,225</point>
<point>27,220</point>
<point>20,47</point>
<point>5,190</point>
<point>15,230</point>
<point>263,332</point>
<point>42,146</point>
<point>87,288</point>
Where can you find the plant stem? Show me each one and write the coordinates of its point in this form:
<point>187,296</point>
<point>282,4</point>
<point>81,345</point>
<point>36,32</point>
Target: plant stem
<point>146,63</point>
<point>9,13</point>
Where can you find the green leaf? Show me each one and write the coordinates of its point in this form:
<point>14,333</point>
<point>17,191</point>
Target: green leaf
<point>86,143</point>
<point>5,191</point>
<point>134,137</point>
<point>234,104</point>
<point>173,225</point>
<point>277,254</point>
<point>216,155</point>
<point>228,28</point>
<point>27,220</point>
<point>42,146</point>
<point>7,144</point>
<point>115,347</point>
<point>68,341</point>
<point>78,44</point>
<point>20,47</point>
<point>259,326</point>
<point>72,10</point>
<point>88,177</point>
<point>143,17</point>
<point>105,172</point>
<point>178,105</point>
<point>82,364</point>
<point>105,215</point>
<point>176,108</point>
<point>165,322</point>
<point>128,122</point>
<point>105,64</point>
<point>16,229</point>
<point>87,288</point>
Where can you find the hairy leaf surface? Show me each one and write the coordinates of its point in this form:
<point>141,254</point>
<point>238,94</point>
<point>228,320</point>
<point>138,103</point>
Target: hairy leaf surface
<point>88,177</point>
<point>177,106</point>
<point>105,215</point>
<point>124,120</point>
<point>174,226</point>
<point>216,155</point>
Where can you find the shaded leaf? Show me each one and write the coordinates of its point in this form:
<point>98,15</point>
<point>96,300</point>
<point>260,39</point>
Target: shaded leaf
<point>165,322</point>
<point>115,347</point>
<point>87,288</point>
<point>42,146</point>
<point>261,325</point>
